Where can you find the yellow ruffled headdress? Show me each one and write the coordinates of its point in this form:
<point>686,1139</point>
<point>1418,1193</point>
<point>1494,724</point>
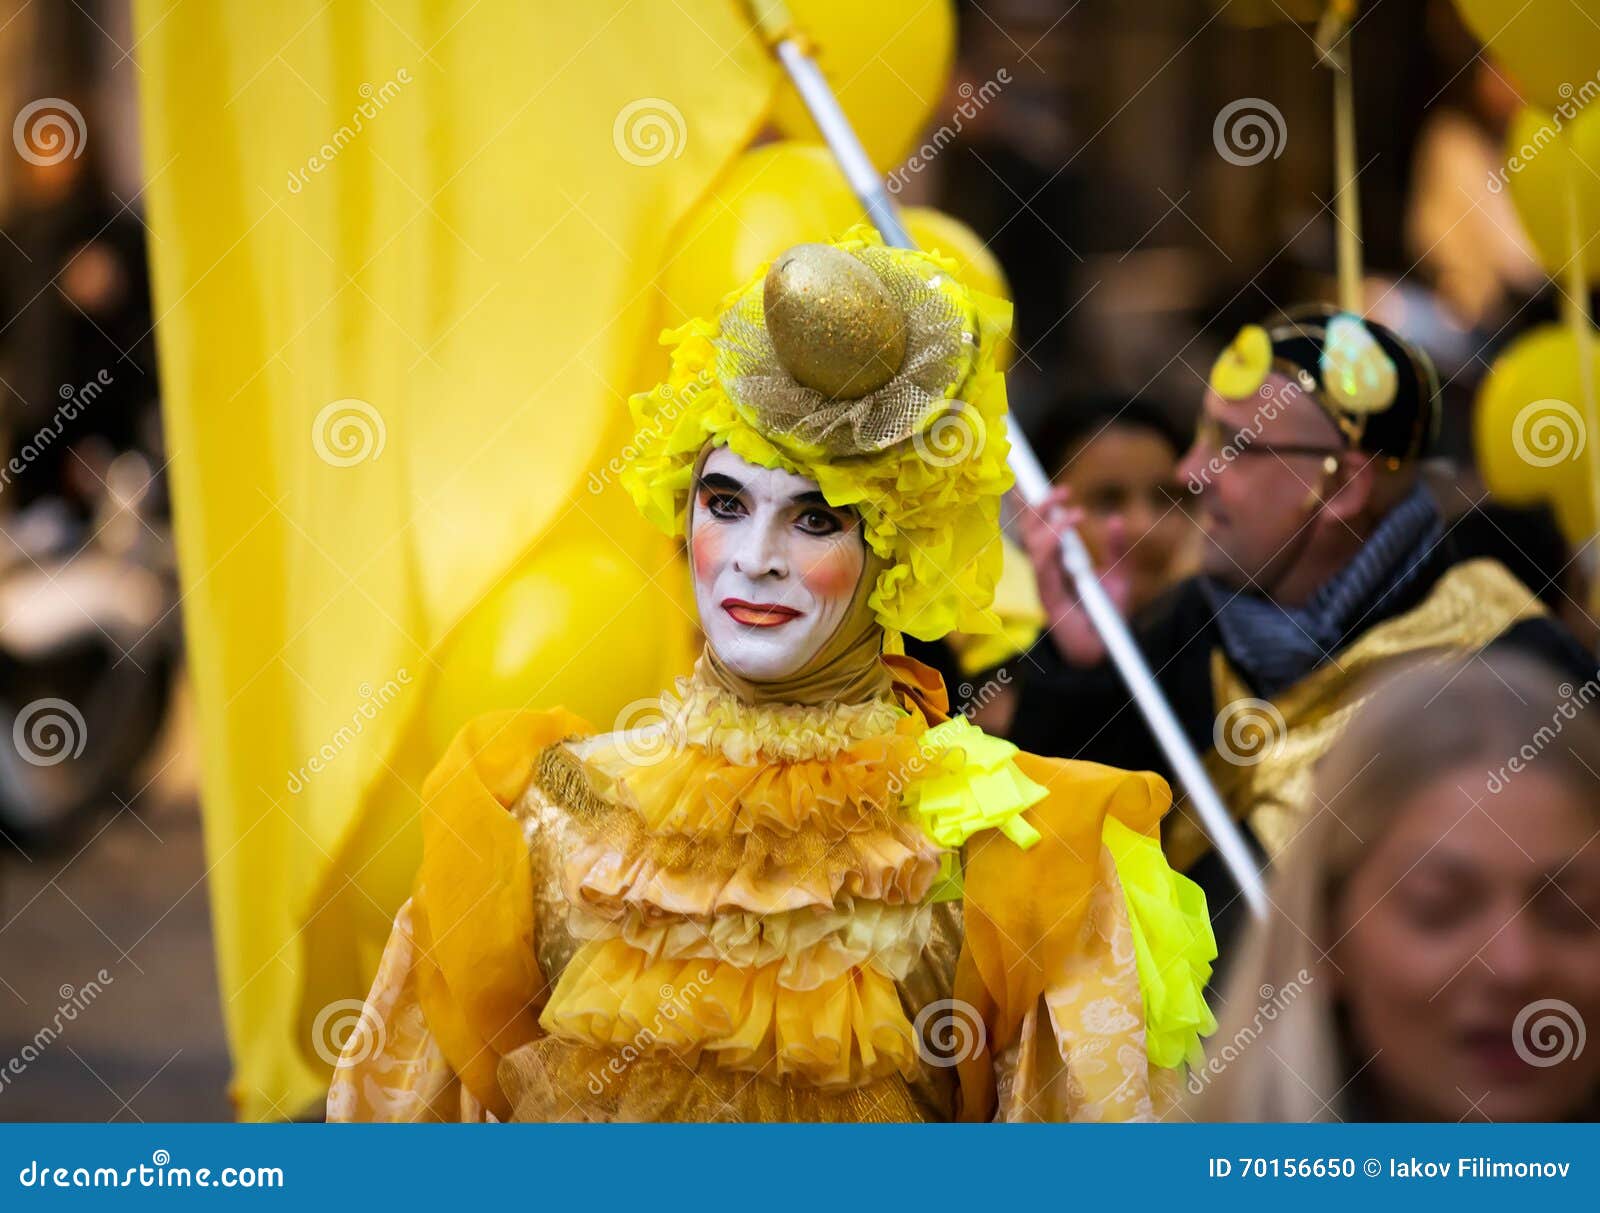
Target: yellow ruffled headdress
<point>870,370</point>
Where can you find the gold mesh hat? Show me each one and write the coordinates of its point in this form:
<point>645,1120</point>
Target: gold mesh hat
<point>846,352</point>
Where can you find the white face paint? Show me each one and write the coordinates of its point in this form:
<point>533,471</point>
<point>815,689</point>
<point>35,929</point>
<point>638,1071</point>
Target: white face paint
<point>775,566</point>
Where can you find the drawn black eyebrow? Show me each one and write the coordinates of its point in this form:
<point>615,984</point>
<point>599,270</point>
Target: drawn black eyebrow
<point>718,483</point>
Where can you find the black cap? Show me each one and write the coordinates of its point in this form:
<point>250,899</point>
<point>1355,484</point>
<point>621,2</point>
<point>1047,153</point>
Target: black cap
<point>1403,430</point>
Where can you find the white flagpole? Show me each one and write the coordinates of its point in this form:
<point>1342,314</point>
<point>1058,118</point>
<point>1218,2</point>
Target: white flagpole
<point>1032,482</point>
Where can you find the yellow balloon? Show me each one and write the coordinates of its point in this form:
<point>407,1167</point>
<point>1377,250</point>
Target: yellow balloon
<point>888,63</point>
<point>1552,46</point>
<point>938,232</point>
<point>1530,427</point>
<point>576,625</point>
<point>789,193</point>
<point>941,233</point>
<point>1574,509</point>
<point>770,198</point>
<point>1542,164</point>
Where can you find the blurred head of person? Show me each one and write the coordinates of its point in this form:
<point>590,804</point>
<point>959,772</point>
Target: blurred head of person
<point>1119,458</point>
<point>1310,432</point>
<point>1434,949</point>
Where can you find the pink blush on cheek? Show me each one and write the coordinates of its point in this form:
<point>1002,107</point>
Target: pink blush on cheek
<point>706,552</point>
<point>833,572</point>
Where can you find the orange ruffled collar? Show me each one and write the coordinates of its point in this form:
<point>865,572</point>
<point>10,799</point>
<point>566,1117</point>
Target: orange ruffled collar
<point>701,715</point>
<point>755,860</point>
<point>688,833</point>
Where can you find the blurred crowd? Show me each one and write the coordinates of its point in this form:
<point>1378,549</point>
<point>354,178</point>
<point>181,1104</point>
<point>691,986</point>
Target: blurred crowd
<point>1433,947</point>
<point>87,578</point>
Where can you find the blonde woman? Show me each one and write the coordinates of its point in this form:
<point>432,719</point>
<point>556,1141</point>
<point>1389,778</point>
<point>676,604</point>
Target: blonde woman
<point>1435,951</point>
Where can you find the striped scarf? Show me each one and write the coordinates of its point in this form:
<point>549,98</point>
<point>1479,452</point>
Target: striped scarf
<point>1274,646</point>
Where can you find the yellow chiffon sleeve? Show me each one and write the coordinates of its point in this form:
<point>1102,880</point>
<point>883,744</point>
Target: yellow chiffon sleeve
<point>459,985</point>
<point>966,782</point>
<point>1079,1025</point>
<point>390,1067</point>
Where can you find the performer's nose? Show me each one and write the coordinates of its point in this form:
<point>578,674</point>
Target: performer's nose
<point>760,551</point>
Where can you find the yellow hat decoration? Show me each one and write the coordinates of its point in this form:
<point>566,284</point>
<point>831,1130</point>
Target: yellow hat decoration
<point>1242,368</point>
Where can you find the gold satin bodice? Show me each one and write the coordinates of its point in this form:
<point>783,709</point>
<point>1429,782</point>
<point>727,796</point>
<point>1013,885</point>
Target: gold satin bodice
<point>554,1079</point>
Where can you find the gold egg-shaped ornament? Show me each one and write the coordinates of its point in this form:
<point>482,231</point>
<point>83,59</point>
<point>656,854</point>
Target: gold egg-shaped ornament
<point>833,324</point>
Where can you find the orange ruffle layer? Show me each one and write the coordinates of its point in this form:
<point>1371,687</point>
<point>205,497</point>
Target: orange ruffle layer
<point>689,833</point>
<point>758,872</point>
<point>701,793</point>
<point>846,1032</point>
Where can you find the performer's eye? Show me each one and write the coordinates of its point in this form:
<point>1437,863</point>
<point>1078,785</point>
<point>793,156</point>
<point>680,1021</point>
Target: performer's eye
<point>724,505</point>
<point>820,522</point>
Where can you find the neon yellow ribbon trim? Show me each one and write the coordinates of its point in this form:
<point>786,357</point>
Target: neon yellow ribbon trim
<point>1173,946</point>
<point>969,783</point>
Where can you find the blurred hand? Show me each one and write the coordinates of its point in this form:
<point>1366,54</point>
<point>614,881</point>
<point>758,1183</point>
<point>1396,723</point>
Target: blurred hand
<point>1071,630</point>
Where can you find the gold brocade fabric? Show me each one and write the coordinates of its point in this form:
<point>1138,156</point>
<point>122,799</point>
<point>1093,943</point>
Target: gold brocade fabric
<point>689,938</point>
<point>554,1080</point>
<point>1067,1062</point>
<point>391,1067</point>
<point>1270,788</point>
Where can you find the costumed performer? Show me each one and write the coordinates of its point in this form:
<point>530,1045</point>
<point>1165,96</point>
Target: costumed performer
<point>803,891</point>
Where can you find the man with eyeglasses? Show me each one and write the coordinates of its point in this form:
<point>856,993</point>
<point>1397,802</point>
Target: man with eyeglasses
<point>1325,558</point>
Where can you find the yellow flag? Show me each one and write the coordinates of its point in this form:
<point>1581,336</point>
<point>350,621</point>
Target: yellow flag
<point>404,260</point>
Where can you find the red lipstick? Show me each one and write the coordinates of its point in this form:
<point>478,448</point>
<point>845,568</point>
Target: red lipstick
<point>759,614</point>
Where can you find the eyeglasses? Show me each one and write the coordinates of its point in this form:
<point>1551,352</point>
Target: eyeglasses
<point>1209,434</point>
